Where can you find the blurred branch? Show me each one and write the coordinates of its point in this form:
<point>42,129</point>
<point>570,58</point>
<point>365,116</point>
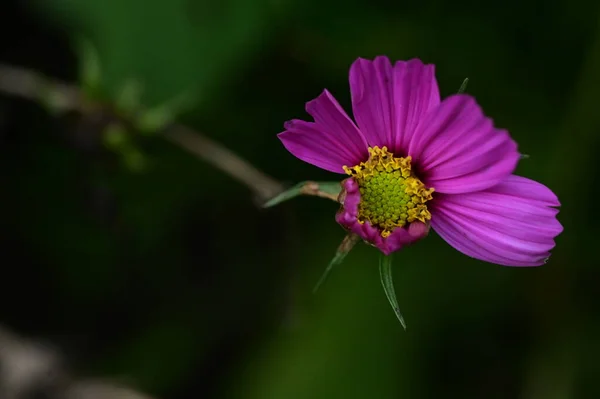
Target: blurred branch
<point>32,86</point>
<point>62,97</point>
<point>31,369</point>
<point>215,154</point>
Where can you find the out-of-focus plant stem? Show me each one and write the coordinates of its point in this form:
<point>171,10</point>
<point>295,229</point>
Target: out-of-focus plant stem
<point>61,97</point>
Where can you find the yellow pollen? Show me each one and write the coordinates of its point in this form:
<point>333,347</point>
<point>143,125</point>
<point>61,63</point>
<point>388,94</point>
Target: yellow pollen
<point>390,194</point>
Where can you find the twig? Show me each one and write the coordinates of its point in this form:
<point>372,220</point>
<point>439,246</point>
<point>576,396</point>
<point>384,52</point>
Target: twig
<point>313,188</point>
<point>63,97</point>
<point>265,187</point>
<point>33,368</point>
<point>24,83</point>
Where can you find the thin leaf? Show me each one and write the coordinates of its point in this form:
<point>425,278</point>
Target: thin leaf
<point>115,137</point>
<point>128,99</point>
<point>347,244</point>
<point>156,118</point>
<point>463,86</point>
<point>134,160</point>
<point>329,190</point>
<point>385,271</point>
<point>284,196</point>
<point>89,68</point>
<point>337,259</point>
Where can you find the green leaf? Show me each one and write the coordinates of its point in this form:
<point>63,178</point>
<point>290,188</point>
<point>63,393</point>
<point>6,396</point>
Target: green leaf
<point>128,98</point>
<point>385,271</point>
<point>134,160</point>
<point>463,86</point>
<point>200,45</point>
<point>115,137</point>
<point>329,190</point>
<point>344,249</point>
<point>90,73</point>
<point>156,118</point>
<point>524,156</point>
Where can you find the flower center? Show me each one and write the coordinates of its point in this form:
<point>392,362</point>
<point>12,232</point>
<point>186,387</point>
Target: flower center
<point>390,194</point>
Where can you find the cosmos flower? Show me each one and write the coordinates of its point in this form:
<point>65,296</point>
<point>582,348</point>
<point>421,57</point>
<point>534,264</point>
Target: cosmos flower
<point>414,161</point>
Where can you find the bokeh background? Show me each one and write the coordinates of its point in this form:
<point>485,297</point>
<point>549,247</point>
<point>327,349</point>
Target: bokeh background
<point>143,264</point>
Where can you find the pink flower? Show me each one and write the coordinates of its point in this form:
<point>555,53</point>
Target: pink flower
<point>415,161</point>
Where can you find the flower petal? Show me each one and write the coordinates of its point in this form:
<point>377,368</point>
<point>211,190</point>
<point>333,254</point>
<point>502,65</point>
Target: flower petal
<point>388,102</point>
<point>330,142</point>
<point>416,93</point>
<point>511,224</point>
<point>458,149</point>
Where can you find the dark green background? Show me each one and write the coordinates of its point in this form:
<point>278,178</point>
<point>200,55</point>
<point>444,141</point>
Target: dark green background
<point>173,278</point>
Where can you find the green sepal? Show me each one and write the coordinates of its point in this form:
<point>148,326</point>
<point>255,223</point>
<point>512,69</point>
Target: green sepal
<point>329,190</point>
<point>463,86</point>
<point>385,271</point>
<point>344,249</point>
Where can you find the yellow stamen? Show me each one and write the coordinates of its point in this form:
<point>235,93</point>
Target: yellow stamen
<point>391,195</point>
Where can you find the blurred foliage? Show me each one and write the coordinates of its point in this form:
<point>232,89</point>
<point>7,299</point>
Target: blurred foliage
<point>173,279</point>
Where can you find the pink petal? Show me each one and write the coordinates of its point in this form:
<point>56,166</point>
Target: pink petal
<point>458,149</point>
<point>511,224</point>
<point>403,237</point>
<point>388,102</point>
<point>416,93</point>
<point>330,142</point>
